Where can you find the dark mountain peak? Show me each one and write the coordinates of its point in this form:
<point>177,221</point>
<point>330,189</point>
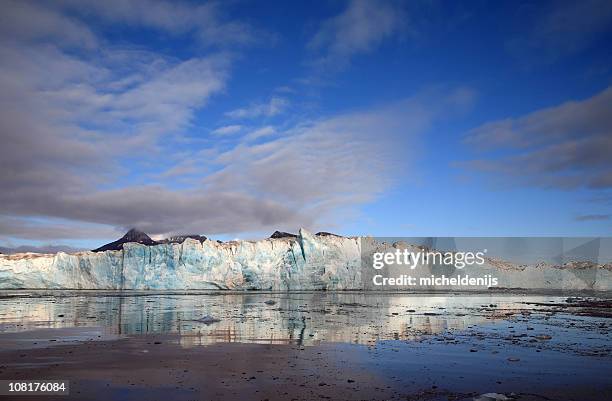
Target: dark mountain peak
<point>326,234</point>
<point>282,234</point>
<point>133,235</point>
<point>179,239</point>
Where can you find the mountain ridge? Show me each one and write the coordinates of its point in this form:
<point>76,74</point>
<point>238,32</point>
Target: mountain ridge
<point>136,236</point>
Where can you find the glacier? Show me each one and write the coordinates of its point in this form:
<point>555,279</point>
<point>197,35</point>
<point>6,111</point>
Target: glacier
<point>306,262</point>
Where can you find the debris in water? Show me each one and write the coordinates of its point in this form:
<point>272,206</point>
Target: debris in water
<point>543,337</point>
<point>491,397</point>
<point>208,320</point>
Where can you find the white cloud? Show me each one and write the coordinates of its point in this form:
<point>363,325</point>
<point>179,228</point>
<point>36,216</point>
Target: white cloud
<point>273,107</point>
<point>227,130</point>
<point>260,133</point>
<point>361,27</point>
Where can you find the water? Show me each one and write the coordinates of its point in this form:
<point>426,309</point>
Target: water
<point>302,318</point>
<point>429,344</point>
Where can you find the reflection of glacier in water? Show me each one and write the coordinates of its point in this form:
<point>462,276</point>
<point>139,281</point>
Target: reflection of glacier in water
<point>301,318</point>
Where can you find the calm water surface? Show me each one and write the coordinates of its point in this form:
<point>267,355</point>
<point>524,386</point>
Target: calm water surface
<point>302,318</point>
<point>434,345</point>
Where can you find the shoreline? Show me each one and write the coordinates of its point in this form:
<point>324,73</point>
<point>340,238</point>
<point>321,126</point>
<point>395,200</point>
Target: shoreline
<point>5,293</point>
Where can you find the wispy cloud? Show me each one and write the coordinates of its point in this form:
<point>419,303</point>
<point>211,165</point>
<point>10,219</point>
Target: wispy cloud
<point>359,29</point>
<point>77,124</point>
<point>308,174</point>
<point>593,217</point>
<point>565,147</point>
<point>51,229</point>
<point>23,20</point>
<point>260,133</point>
<point>273,107</point>
<point>205,22</point>
<point>39,249</point>
<point>69,120</point>
<point>227,130</point>
<point>561,28</point>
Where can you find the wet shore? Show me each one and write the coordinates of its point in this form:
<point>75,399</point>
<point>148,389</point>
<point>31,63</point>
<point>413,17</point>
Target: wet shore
<point>306,346</point>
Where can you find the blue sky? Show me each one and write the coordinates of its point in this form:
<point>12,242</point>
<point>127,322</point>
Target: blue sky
<point>234,119</point>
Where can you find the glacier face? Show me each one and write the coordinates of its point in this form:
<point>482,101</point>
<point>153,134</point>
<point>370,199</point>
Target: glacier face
<point>307,262</point>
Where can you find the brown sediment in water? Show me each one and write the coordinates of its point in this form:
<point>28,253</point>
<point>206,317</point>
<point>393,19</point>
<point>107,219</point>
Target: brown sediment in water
<point>159,368</point>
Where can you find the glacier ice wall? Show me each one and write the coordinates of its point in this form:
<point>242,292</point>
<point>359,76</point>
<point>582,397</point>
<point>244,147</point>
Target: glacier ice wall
<point>307,262</point>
